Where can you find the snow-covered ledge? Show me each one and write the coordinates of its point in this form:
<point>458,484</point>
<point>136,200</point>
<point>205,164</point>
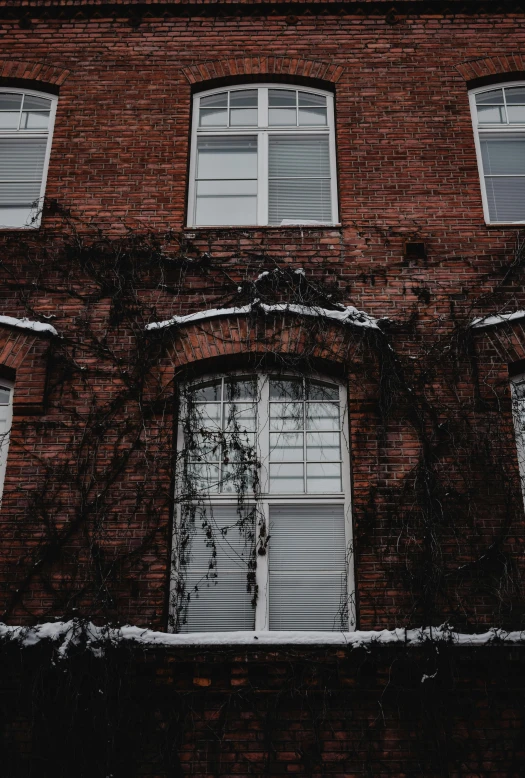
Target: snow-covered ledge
<point>65,635</point>
<point>342,314</point>
<point>27,324</point>
<point>500,318</point>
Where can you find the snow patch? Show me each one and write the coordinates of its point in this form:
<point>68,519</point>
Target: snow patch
<point>27,324</point>
<point>490,321</point>
<point>65,635</point>
<point>345,315</point>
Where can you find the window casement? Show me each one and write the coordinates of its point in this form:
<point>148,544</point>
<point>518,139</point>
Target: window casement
<point>262,155</point>
<point>26,129</point>
<point>6,418</point>
<point>262,538</point>
<point>498,115</point>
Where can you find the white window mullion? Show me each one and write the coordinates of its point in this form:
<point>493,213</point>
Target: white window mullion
<point>262,184</point>
<point>261,577</point>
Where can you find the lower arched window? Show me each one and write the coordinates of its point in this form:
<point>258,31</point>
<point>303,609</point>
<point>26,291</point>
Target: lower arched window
<point>263,530</point>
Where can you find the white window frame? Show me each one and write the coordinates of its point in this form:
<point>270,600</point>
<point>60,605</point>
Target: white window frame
<point>4,438</point>
<point>487,129</point>
<point>263,132</point>
<point>265,498</point>
<point>37,212</point>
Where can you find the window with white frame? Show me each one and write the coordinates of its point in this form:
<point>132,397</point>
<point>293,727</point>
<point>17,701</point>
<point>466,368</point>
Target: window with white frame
<point>6,418</point>
<point>263,538</point>
<point>498,114</point>
<point>26,128</point>
<point>262,155</point>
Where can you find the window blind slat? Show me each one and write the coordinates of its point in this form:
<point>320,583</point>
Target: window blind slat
<point>16,194</point>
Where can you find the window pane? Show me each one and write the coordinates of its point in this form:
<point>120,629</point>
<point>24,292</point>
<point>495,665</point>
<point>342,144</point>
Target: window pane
<point>323,447</point>
<point>516,114</point>
<point>282,98</point>
<point>306,156</point>
<point>32,103</point>
<point>9,120</point>
<point>286,446</point>
<point>226,188</point>
<point>221,529</point>
<point>282,117</point>
<point>308,99</point>
<point>239,447</point>
<point>312,116</point>
<point>245,98</point>
<point>515,94</point>
<point>286,389</point>
<point>206,446</point>
<point>494,97</point>
<point>16,194</point>
<point>298,200</point>
<point>503,155</point>
<point>286,416</point>
<point>239,415</point>
<point>506,199</point>
<point>5,394</point>
<point>317,391</point>
<point>211,391</point>
<point>10,101</point>
<point>212,211</point>
<point>203,477</point>
<point>244,389</point>
<point>17,216</point>
<point>323,478</point>
<point>302,602</point>
<point>213,117</point>
<point>238,477</point>
<point>286,478</point>
<point>22,159</point>
<point>206,415</point>
<point>219,605</point>
<point>220,100</point>
<point>34,120</point>
<point>322,416</point>
<point>492,114</point>
<point>231,157</point>
<point>243,117</point>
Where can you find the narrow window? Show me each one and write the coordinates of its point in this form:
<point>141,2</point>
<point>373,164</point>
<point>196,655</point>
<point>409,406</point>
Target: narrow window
<point>6,416</point>
<point>26,127</point>
<point>263,533</point>
<point>498,114</point>
<point>263,155</point>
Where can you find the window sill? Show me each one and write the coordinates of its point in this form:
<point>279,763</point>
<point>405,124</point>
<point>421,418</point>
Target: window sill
<point>505,225</point>
<point>264,227</point>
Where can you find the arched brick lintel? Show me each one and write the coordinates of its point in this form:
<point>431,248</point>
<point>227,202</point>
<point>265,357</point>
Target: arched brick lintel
<point>250,66</point>
<point>492,66</point>
<point>23,356</point>
<point>32,71</point>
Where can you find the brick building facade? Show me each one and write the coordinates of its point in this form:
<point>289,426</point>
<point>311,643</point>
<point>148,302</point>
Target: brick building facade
<point>408,296</point>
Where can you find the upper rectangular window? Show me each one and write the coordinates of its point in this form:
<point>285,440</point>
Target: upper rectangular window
<point>263,155</point>
<point>498,114</point>
<point>26,127</point>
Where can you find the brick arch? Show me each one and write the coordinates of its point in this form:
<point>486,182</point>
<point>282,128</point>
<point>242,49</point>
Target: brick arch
<point>23,357</point>
<point>492,66</point>
<point>250,66</point>
<point>33,71</point>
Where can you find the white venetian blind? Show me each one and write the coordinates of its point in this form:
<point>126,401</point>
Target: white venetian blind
<point>307,567</point>
<point>21,169</point>
<point>299,179</point>
<point>504,169</point>
<point>219,597</point>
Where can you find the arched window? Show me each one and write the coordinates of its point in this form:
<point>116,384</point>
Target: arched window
<point>263,534</point>
<point>498,115</point>
<point>263,154</point>
<point>26,128</point>
<point>6,417</point>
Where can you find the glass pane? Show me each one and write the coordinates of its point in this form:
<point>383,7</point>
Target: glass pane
<point>219,100</point>
<point>211,391</point>
<point>307,100</point>
<point>206,414</point>
<point>213,117</point>
<point>285,478</point>
<point>9,120</point>
<point>240,415</point>
<point>309,537</point>
<point>22,159</point>
<point>286,389</point>
<point>286,416</point>
<point>237,478</point>
<point>503,155</point>
<point>298,156</point>
<point>516,114</point>
<point>217,211</point>
<point>515,94</point>
<point>494,96</point>
<point>506,199</point>
<point>282,117</point>
<point>10,101</point>
<point>492,114</point>
<point>323,447</point>
<point>286,446</point>
<point>243,117</point>
<point>227,157</point>
<point>315,391</point>
<point>34,120</point>
<point>222,604</point>
<point>245,98</point>
<point>322,416</point>
<point>302,601</point>
<point>204,447</point>
<point>17,216</point>
<point>32,103</point>
<point>5,394</point>
<point>203,477</point>
<point>239,447</point>
<point>226,188</point>
<point>282,98</point>
<point>323,478</point>
<point>17,194</point>
<point>312,116</point>
<point>244,389</point>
